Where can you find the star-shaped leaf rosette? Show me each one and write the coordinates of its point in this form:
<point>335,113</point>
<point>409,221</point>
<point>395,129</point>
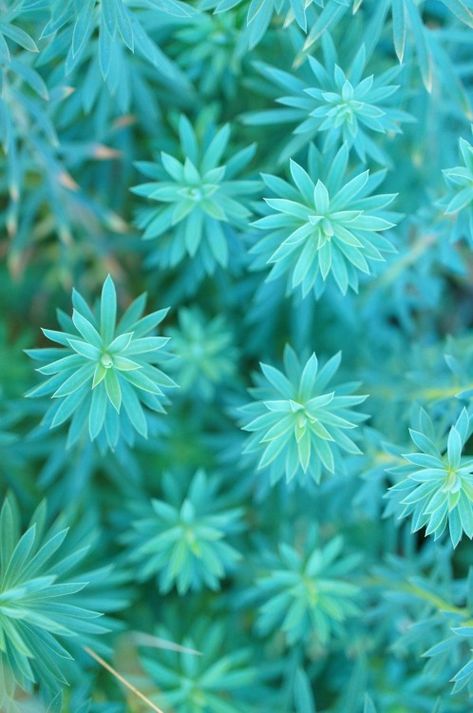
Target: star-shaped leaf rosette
<point>435,487</point>
<point>104,377</point>
<point>298,425</point>
<point>306,593</point>
<point>324,227</point>
<point>198,205</point>
<point>336,99</point>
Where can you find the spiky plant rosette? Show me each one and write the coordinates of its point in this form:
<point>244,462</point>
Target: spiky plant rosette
<point>182,539</point>
<point>212,48</point>
<point>436,485</point>
<point>202,205</point>
<point>206,675</point>
<point>307,593</point>
<point>40,604</point>
<point>347,107</point>
<point>299,425</point>
<point>205,354</point>
<point>104,376</point>
<point>316,229</point>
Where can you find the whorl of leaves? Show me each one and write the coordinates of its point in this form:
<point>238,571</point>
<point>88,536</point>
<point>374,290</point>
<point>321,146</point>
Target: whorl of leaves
<point>40,605</point>
<point>104,372</point>
<point>299,425</point>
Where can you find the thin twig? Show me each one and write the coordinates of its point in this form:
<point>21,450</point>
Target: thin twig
<point>122,680</point>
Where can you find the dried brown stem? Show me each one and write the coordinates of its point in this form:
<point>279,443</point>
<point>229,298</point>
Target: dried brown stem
<point>122,679</point>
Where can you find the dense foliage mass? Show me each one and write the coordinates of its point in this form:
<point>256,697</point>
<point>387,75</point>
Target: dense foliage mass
<point>236,417</point>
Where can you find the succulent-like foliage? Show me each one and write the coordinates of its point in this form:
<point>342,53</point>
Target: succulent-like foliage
<point>307,595</point>
<point>297,423</point>
<point>436,489</point>
<point>104,372</point>
<point>347,107</point>
<point>184,543</point>
<point>40,607</point>
<point>213,682</point>
<point>280,555</point>
<point>319,228</point>
<point>206,356</point>
<point>203,200</point>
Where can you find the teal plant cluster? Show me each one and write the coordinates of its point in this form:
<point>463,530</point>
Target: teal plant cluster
<point>236,356</point>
